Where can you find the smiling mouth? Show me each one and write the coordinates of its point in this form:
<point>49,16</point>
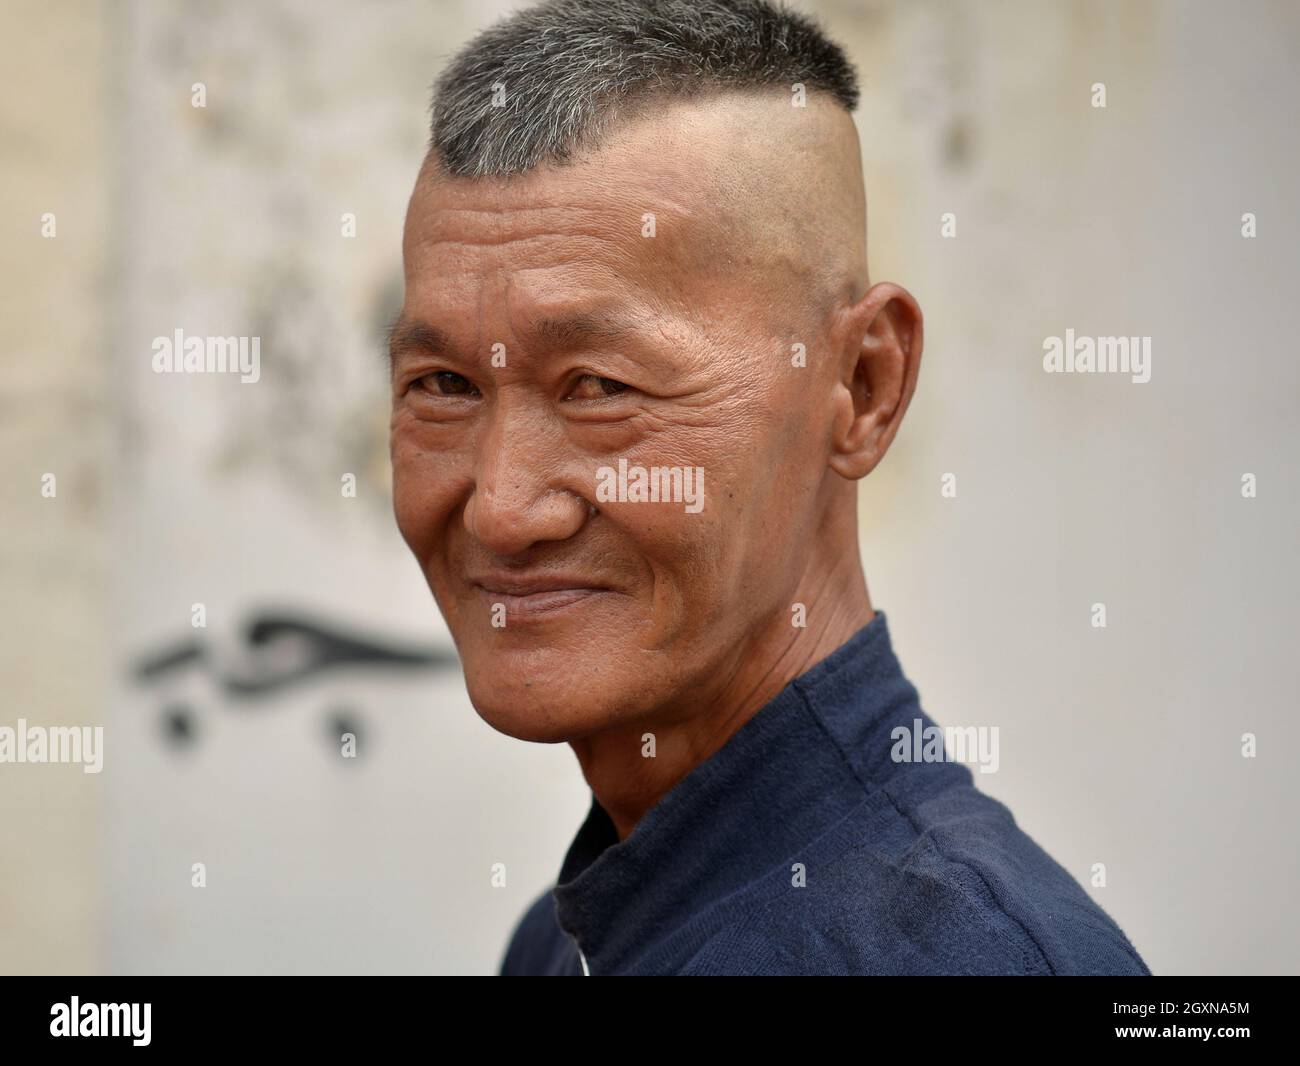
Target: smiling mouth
<point>528,599</point>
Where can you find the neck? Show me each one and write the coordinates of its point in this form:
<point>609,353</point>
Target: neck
<point>627,785</point>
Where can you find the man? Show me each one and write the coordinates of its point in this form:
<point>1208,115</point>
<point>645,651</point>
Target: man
<point>638,373</point>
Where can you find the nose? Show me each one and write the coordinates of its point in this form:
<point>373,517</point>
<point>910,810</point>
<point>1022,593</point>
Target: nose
<point>517,501</point>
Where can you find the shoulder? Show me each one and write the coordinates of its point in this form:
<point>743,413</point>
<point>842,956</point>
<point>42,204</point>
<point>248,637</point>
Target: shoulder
<point>538,946</point>
<point>950,885</point>
<point>970,839</point>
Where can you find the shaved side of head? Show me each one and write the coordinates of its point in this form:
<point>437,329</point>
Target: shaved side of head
<point>788,188</point>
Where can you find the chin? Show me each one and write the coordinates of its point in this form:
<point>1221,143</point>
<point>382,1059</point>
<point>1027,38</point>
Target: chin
<point>535,705</point>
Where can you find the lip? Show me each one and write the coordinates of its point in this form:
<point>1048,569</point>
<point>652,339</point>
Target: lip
<point>530,595</point>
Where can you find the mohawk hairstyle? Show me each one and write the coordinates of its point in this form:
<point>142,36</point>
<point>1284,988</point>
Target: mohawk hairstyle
<point>549,80</point>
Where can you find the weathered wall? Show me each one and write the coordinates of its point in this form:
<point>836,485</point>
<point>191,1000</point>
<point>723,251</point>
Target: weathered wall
<point>1119,745</point>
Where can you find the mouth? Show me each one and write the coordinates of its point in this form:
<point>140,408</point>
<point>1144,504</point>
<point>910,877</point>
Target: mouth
<point>533,597</point>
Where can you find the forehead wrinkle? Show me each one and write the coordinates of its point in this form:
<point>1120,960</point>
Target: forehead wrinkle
<point>552,332</point>
<point>600,202</point>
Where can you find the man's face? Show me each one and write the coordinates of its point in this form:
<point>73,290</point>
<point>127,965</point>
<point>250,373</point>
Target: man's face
<point>551,328</point>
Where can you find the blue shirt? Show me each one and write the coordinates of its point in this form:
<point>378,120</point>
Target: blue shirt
<point>802,847</point>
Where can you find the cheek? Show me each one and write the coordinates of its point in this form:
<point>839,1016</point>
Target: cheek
<point>688,570</point>
<point>426,488</point>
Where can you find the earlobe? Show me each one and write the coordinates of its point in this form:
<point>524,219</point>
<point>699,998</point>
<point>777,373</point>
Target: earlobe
<point>879,378</point>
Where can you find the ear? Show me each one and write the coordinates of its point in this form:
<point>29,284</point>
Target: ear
<point>881,348</point>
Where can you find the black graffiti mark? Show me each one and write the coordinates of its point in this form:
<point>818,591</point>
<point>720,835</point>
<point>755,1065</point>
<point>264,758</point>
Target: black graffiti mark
<point>180,728</point>
<point>281,650</point>
<point>170,659</point>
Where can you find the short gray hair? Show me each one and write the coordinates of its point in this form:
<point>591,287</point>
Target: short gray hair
<point>547,81</point>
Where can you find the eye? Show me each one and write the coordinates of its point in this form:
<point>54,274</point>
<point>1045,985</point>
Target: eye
<point>447,383</point>
<point>592,387</point>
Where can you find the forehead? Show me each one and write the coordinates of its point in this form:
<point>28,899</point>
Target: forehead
<point>635,223</point>
<point>669,198</point>
<point>699,208</point>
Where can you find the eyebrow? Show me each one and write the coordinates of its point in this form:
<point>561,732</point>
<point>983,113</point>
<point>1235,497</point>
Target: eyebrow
<point>583,328</point>
<point>548,333</point>
<point>415,337</point>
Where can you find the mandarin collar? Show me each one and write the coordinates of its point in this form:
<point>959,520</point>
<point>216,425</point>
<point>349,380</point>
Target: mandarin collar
<point>798,766</point>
